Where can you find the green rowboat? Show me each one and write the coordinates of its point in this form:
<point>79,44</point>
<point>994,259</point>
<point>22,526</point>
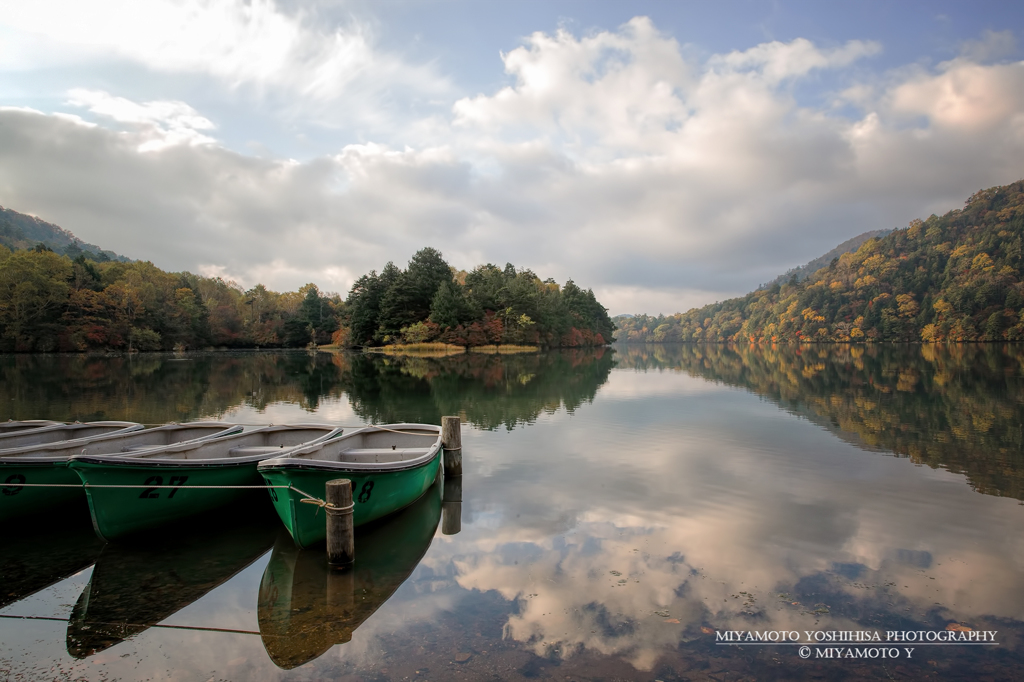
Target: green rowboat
<point>390,467</point>
<point>305,608</point>
<point>137,492</point>
<point>40,456</point>
<point>46,464</point>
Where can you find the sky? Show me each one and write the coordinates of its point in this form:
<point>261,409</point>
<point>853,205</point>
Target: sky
<point>664,154</point>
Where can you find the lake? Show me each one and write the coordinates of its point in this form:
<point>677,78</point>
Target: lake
<point>622,511</point>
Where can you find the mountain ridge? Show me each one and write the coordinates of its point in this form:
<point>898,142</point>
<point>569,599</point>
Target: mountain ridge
<point>809,268</point>
<point>22,231</point>
<point>958,277</point>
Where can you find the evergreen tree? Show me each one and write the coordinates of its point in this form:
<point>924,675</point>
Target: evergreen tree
<point>363,304</point>
<point>449,307</point>
<point>407,300</point>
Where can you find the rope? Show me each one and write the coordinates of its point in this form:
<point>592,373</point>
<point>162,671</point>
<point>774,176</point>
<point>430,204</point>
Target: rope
<point>169,627</point>
<point>331,509</point>
<point>13,484</point>
<point>310,499</point>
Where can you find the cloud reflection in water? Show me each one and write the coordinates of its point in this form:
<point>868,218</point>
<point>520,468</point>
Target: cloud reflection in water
<point>718,509</point>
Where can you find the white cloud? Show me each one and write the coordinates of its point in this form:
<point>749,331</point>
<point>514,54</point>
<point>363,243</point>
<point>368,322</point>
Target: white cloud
<point>608,90</point>
<point>616,159</point>
<point>161,124</point>
<point>243,43</point>
<point>965,96</point>
<point>992,45</point>
<point>777,61</point>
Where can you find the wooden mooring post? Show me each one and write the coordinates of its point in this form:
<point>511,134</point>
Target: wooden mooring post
<point>341,534</point>
<point>341,600</point>
<point>451,506</point>
<point>451,441</point>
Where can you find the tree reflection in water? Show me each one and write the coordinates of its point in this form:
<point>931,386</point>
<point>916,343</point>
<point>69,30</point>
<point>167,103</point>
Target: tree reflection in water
<point>956,407</point>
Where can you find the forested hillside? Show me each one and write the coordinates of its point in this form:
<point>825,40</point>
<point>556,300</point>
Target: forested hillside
<point>430,302</point>
<point>20,231</point>
<point>49,302</point>
<point>957,277</point>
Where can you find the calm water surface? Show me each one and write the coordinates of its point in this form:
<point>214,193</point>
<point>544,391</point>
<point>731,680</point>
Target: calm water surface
<point>617,509</point>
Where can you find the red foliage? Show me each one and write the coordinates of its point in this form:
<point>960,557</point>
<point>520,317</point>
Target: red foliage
<point>476,335</point>
<point>455,336</point>
<point>493,327</point>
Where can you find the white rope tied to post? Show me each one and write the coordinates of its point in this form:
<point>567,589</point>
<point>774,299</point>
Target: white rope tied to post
<point>331,509</point>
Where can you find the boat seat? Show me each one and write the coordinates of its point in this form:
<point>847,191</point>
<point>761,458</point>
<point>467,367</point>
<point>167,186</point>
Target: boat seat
<point>256,450</point>
<point>382,454</point>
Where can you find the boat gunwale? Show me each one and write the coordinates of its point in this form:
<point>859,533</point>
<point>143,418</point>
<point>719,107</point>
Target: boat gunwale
<point>151,458</point>
<point>293,463</point>
<point>25,454</point>
<point>299,459</point>
<point>27,462</point>
<point>65,425</point>
<point>15,425</point>
<point>128,427</point>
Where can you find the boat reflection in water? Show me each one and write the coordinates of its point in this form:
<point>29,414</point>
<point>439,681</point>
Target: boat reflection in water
<point>134,587</point>
<point>305,608</point>
<point>45,551</point>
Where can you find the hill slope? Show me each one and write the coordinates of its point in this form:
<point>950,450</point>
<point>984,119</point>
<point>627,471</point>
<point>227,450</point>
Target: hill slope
<point>959,277</point>
<point>804,271</point>
<point>20,231</point>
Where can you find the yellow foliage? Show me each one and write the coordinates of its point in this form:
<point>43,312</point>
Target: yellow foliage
<point>982,262</point>
<point>811,315</point>
<point>865,281</point>
<point>942,307</point>
<point>867,248</point>
<point>907,305</point>
<point>875,262</point>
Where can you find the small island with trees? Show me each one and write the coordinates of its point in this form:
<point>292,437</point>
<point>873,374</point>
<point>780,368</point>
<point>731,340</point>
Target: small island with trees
<point>430,302</point>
